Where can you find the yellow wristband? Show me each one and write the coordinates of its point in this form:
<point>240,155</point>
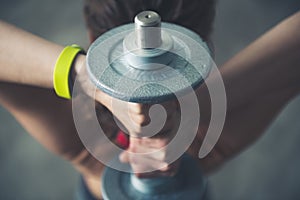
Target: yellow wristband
<point>62,69</point>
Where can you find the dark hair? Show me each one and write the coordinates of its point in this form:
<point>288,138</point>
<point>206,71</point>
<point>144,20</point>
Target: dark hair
<point>197,15</point>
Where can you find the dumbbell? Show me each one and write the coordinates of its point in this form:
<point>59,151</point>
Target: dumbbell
<point>150,62</point>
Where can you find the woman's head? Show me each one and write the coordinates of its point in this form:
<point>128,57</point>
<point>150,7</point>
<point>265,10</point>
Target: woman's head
<point>103,15</point>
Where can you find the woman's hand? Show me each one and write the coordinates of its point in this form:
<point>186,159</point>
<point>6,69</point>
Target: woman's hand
<point>148,150</point>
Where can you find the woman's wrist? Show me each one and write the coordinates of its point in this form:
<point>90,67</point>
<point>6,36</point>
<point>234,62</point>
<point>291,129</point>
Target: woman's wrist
<point>76,67</point>
<point>78,64</point>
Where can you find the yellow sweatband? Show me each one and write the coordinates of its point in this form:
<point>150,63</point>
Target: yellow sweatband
<point>61,75</point>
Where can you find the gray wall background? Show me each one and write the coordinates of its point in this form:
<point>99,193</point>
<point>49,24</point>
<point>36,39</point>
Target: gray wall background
<point>267,170</point>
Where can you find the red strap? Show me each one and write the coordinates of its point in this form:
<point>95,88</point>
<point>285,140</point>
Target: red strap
<point>122,139</point>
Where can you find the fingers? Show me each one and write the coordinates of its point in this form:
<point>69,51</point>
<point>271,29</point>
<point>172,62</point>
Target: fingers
<point>142,119</point>
<point>142,163</point>
<point>158,121</point>
<point>145,167</point>
<point>168,171</point>
<point>148,155</point>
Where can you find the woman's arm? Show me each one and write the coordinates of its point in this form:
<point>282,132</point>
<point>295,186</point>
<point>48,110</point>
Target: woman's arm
<point>26,58</point>
<point>49,120</point>
<point>259,82</point>
<point>30,60</point>
<point>26,71</point>
<point>26,91</point>
<point>271,64</point>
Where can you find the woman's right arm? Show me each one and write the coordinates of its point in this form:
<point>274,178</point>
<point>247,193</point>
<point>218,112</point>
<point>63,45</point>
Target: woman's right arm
<point>26,58</point>
<point>26,91</point>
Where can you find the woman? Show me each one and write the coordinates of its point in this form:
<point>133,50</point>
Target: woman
<point>27,103</point>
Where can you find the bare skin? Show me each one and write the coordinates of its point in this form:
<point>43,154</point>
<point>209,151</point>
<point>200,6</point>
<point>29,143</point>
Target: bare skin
<point>259,82</point>
<point>20,64</point>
